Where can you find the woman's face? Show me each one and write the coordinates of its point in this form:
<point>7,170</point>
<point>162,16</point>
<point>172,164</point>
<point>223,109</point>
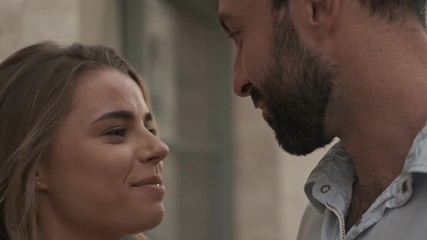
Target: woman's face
<point>103,172</point>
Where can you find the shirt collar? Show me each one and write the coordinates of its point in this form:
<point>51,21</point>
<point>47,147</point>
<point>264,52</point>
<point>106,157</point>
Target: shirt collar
<point>333,176</point>
<point>335,173</point>
<point>416,161</point>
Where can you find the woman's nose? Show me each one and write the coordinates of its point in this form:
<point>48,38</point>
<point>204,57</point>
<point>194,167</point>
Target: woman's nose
<point>153,149</point>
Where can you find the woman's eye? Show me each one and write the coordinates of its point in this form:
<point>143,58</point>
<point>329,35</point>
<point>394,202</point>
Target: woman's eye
<point>152,130</point>
<point>120,132</point>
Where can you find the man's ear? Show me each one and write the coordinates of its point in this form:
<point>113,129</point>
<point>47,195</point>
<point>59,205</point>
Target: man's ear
<point>317,18</point>
<point>322,11</point>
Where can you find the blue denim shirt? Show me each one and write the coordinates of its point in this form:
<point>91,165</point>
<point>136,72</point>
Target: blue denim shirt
<point>400,212</point>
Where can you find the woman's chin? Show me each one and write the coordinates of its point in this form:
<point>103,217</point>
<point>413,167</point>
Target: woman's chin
<point>150,220</point>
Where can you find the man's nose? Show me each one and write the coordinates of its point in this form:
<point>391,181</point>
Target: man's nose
<point>241,84</point>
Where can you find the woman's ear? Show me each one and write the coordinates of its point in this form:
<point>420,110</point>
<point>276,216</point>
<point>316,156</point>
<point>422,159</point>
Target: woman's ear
<point>41,179</point>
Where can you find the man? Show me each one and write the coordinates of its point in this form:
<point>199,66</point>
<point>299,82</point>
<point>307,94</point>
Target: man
<point>352,69</point>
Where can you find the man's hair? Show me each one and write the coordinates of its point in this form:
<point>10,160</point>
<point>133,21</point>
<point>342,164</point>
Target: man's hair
<point>390,9</point>
<point>394,9</point>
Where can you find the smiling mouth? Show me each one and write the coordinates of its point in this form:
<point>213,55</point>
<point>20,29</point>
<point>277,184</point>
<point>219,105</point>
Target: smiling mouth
<point>151,181</point>
<point>152,186</point>
<point>148,184</point>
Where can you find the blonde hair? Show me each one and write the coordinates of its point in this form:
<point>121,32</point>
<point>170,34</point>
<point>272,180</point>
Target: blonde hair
<point>35,91</point>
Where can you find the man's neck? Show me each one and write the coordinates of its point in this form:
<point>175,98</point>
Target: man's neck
<point>361,200</point>
<point>378,105</point>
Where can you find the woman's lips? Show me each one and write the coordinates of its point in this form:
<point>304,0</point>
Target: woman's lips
<point>151,186</point>
<point>153,180</point>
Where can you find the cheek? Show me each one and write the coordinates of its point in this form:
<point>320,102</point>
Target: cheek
<point>88,183</point>
<point>90,168</point>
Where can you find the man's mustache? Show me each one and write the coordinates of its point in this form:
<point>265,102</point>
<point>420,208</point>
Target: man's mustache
<point>256,95</point>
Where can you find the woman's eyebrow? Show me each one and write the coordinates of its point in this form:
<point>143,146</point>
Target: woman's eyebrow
<point>122,114</point>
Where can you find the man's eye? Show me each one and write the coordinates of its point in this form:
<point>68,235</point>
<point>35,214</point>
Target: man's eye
<point>118,131</point>
<point>232,35</point>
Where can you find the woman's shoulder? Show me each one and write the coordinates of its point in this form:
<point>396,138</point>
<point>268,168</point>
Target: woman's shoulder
<point>138,236</point>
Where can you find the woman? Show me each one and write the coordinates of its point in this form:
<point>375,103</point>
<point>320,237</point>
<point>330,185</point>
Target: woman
<point>79,155</point>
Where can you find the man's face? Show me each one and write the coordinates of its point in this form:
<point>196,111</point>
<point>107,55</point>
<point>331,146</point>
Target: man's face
<point>284,78</point>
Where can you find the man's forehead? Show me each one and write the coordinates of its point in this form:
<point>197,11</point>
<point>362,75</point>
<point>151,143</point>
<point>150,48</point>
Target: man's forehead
<point>234,8</point>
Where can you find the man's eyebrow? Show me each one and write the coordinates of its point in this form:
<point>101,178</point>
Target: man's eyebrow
<point>115,115</point>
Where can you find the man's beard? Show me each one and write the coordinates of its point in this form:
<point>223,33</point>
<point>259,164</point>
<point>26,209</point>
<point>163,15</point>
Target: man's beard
<point>295,89</point>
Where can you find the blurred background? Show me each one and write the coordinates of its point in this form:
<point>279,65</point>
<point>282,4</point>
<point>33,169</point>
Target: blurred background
<point>226,177</point>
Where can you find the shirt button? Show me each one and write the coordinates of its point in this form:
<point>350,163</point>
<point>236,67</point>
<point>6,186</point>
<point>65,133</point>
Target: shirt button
<point>404,187</point>
<point>325,188</point>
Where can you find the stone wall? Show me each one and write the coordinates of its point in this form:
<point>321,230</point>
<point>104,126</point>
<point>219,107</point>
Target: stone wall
<point>23,22</point>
